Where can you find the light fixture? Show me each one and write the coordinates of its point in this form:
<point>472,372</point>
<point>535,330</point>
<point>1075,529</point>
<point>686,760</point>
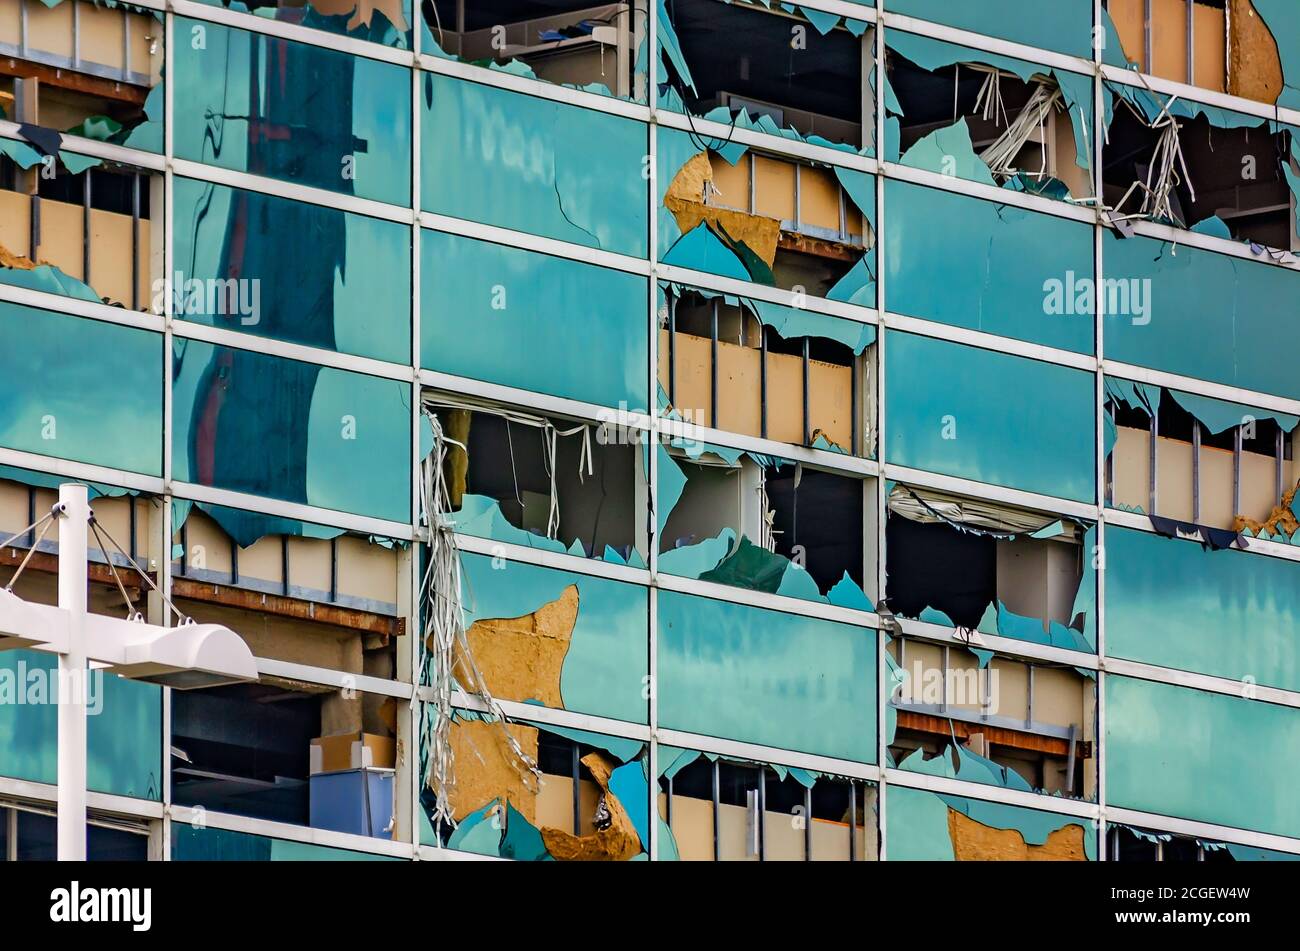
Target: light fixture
<point>188,657</point>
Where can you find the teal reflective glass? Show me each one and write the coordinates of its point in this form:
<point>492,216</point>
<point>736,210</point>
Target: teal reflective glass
<point>1064,26</point>
<point>80,389</point>
<point>989,267</point>
<point>293,431</point>
<point>207,844</point>
<point>292,271</point>
<point>528,320</point>
<point>300,113</point>
<point>920,830</point>
<point>123,723</point>
<point>780,680</point>
<point>1204,756</point>
<point>387,22</point>
<point>607,658</point>
<point>990,417</point>
<point>535,165</point>
<point>1229,614</point>
<point>1201,314</point>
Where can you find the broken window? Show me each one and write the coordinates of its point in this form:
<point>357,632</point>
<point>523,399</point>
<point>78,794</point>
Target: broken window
<point>288,751</point>
<point>28,833</point>
<point>718,809</point>
<point>1183,458</point>
<point>548,324</point>
<point>535,165</point>
<point>994,268</point>
<point>963,411</point>
<point>292,111</point>
<point>51,361</point>
<point>387,22</point>
<point>971,715</point>
<point>1220,758</point>
<point>586,797</point>
<point>264,425</point>
<point>764,523</point>
<point>789,71</point>
<point>1242,47</point>
<point>1217,172</point>
<point>766,370</point>
<point>194,843</point>
<point>988,568</point>
<point>79,226</point>
<point>84,69</point>
<point>556,638</point>
<point>554,484</point>
<point>296,592</point>
<point>1172,603</point>
<point>291,271</point>
<point>1006,122</point>
<point>776,221</point>
<point>1130,844</point>
<point>1198,313</point>
<point>587,45</point>
<point>759,676</point>
<point>1065,29</point>
<point>939,827</point>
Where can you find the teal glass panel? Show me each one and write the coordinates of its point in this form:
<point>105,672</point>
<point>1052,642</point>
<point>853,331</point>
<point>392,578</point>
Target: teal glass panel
<point>123,723</point>
<point>989,267</point>
<point>190,844</point>
<point>293,431</point>
<point>81,389</point>
<point>291,271</point>
<point>528,320</point>
<point>535,165</point>
<point>1201,314</point>
<point>1229,614</point>
<point>780,680</point>
<point>991,417</point>
<point>292,111</point>
<point>1064,26</point>
<point>919,829</point>
<point>607,657</point>
<point>387,22</point>
<point>1203,756</point>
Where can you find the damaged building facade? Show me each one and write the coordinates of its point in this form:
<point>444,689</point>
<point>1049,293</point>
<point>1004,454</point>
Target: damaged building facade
<point>842,430</point>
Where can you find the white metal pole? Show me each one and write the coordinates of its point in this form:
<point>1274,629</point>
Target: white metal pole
<point>72,674</point>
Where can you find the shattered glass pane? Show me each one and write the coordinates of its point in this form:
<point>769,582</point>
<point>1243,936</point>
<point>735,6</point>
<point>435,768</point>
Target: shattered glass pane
<point>291,271</point>
<point>51,362</point>
<point>543,323</point>
<point>293,431</point>
<point>520,162</point>
<point>292,111</point>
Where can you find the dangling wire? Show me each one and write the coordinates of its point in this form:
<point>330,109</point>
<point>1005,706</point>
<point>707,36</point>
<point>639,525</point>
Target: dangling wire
<point>181,616</point>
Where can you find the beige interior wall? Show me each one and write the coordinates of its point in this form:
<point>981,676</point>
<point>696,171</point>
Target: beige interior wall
<point>1131,468</point>
<point>1038,577</point>
<point>1209,54</point>
<point>49,29</point>
<point>1169,39</point>
<point>773,187</point>
<point>1174,479</point>
<point>1129,17</point>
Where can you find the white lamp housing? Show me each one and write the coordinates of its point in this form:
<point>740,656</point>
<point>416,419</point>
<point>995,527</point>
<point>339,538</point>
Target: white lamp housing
<point>188,657</point>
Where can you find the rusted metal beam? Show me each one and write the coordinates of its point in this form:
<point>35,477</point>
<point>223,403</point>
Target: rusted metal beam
<point>999,736</point>
<point>819,247</point>
<point>277,604</point>
<point>76,82</point>
<point>49,564</point>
